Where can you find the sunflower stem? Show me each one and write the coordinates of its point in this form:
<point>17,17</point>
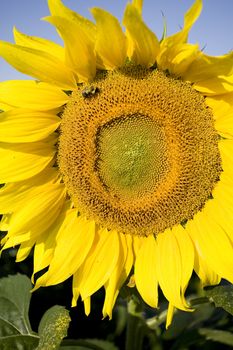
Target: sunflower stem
<point>134,330</point>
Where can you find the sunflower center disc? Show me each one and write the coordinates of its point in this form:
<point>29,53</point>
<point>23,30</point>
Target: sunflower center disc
<point>131,155</point>
<point>140,153</point>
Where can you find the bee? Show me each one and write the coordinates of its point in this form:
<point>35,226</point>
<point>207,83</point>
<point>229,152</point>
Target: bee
<point>90,91</point>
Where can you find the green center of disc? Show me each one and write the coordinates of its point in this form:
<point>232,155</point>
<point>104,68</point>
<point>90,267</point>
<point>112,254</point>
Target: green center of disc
<point>131,155</point>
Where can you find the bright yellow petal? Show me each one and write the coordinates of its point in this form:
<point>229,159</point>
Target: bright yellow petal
<point>32,95</point>
<point>207,276</point>
<point>12,195</point>
<point>177,59</point>
<point>221,105</point>
<point>170,313</point>
<point>45,246</point>
<point>99,264</point>
<point>206,67</point>
<point>145,271</point>
<point>38,64</point>
<point>226,151</point>
<point>24,250</point>
<point>143,45</point>
<point>187,255</point>
<point>20,125</point>
<point>4,107</point>
<point>23,161</point>
<point>169,269</point>
<point>215,86</point>
<point>137,243</point>
<point>211,241</point>
<point>112,55</point>
<point>41,207</point>
<point>13,241</point>
<point>119,274</point>
<point>39,44</point>
<point>74,240</point>
<point>224,126</point>
<point>170,45</point>
<point>57,8</point>
<point>138,4</point>
<point>87,305</point>
<point>79,49</point>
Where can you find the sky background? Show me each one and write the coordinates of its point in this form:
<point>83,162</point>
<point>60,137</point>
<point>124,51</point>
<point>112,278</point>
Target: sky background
<point>214,28</point>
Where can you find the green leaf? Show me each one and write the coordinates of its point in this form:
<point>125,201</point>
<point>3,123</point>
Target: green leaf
<point>19,342</point>
<point>222,296</point>
<point>53,328</point>
<point>217,336</point>
<point>14,305</point>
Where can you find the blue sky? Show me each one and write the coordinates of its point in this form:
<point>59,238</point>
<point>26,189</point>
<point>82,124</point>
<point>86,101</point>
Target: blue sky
<point>214,28</point>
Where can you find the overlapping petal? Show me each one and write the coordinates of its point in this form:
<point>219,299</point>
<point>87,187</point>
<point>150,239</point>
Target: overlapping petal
<point>21,125</point>
<point>23,161</point>
<point>38,64</point>
<point>112,53</point>
<point>79,49</point>
<point>41,44</point>
<point>170,45</point>
<point>57,8</point>
<point>146,277</point>
<point>143,45</point>
<point>172,275</point>
<point>30,94</point>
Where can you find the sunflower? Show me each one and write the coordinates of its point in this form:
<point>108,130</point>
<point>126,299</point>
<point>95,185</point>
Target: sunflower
<point>117,159</point>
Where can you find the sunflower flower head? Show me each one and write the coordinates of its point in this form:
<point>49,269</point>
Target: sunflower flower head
<point>117,159</point>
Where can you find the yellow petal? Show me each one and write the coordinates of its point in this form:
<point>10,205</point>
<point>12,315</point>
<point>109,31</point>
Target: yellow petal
<point>32,95</point>
<point>206,67</point>
<point>24,251</point>
<point>12,195</point>
<point>112,55</point>
<point>99,263</point>
<point>207,276</point>
<point>138,4</point>
<point>177,59</point>
<point>41,208</point>
<point>38,64</point>
<point>226,151</point>
<point>45,246</point>
<point>4,107</point>
<point>145,271</point>
<point>168,44</point>
<point>87,305</point>
<point>170,313</point>
<point>57,8</point>
<point>74,240</point>
<point>20,125</point>
<point>169,267</point>
<point>79,50</point>
<point>23,161</point>
<point>189,19</point>
<point>137,243</point>
<point>215,86</point>
<point>119,274</point>
<point>143,45</point>
<point>220,212</point>
<point>221,105</point>
<point>187,255</point>
<point>212,242</point>
<point>39,44</point>
<point>13,241</point>
<point>224,125</point>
